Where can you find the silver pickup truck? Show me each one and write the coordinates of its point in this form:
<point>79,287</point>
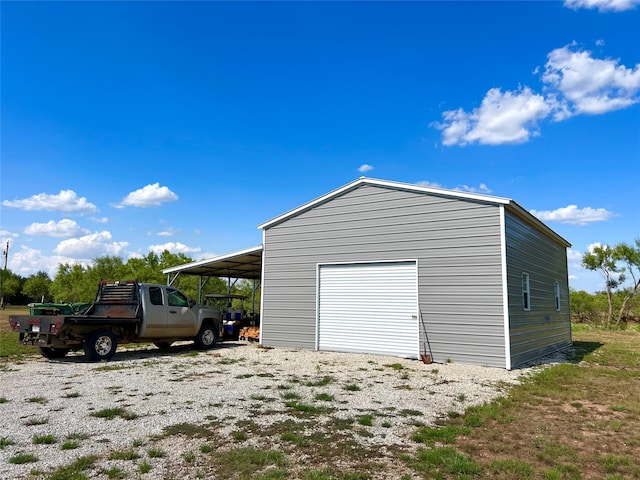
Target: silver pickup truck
<point>123,312</point>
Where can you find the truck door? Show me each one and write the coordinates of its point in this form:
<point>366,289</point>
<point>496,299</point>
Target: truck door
<point>155,313</point>
<point>181,319</point>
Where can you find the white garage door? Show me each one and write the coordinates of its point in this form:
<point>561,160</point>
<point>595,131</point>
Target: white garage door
<point>369,308</point>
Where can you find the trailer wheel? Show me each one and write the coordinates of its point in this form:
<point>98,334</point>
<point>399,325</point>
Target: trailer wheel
<point>207,337</point>
<point>100,345</point>
<point>53,353</point>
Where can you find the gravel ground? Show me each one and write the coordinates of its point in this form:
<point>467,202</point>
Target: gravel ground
<point>222,388</point>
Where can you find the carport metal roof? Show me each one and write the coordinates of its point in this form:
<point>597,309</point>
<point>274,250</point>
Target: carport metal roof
<point>242,264</point>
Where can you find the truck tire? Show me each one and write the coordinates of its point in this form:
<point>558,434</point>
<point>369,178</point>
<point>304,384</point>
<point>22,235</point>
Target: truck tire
<point>207,337</point>
<point>100,345</point>
<point>53,353</point>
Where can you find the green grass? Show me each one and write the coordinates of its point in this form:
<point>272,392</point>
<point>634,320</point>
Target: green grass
<point>111,413</point>
<point>248,462</point>
<point>70,445</point>
<point>23,458</point>
<point>326,380</point>
<point>128,454</point>
<point>115,473</point>
<point>6,442</point>
<point>155,452</point>
<point>74,471</point>
<point>324,397</point>
<point>352,387</point>
<point>44,439</point>
<point>3,400</point>
<point>144,467</point>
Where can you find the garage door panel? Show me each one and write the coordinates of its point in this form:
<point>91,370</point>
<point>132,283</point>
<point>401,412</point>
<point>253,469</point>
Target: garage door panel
<point>369,308</point>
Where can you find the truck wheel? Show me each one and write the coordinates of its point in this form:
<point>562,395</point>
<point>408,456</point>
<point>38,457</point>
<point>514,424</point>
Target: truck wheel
<point>207,337</point>
<point>53,353</point>
<point>163,345</point>
<point>100,345</point>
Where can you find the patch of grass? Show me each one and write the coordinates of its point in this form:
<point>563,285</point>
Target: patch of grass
<point>206,448</point>
<point>352,387</point>
<point>144,467</point>
<point>78,436</point>
<point>23,458</point>
<point>111,413</point>
<point>291,396</point>
<point>127,454</point>
<point>71,395</point>
<point>70,445</point>
<point>155,452</point>
<point>394,366</point>
<point>189,457</point>
<point>294,438</point>
<point>248,462</point>
<point>516,469</point>
<point>115,473</point>
<point>188,430</point>
<point>326,380</point>
<point>39,400</point>
<point>138,442</point>
<point>304,407</point>
<point>6,442</point>
<point>75,470</point>
<point>448,460</point>
<point>324,397</point>
<point>445,434</point>
<point>408,412</point>
<point>3,400</point>
<point>238,435</point>
<point>365,420</point>
<point>48,439</point>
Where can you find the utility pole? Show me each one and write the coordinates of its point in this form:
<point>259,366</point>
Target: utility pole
<point>5,254</point>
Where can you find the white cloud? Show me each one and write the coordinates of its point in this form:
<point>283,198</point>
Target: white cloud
<point>587,85</point>
<point>365,167</point>
<point>602,5</point>
<point>574,83</point>
<point>426,183</point>
<point>174,247</point>
<point>99,219</point>
<point>509,117</point>
<point>65,201</point>
<point>167,232</point>
<point>152,195</point>
<point>63,228</point>
<point>481,189</point>
<point>573,215</point>
<point>28,261</point>
<point>90,246</point>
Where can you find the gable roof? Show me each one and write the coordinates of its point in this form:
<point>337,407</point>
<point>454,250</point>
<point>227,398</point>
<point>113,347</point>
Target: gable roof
<point>509,204</point>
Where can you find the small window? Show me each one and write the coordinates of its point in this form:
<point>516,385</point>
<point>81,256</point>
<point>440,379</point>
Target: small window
<point>556,290</point>
<point>177,299</point>
<point>526,298</point>
<point>155,295</point>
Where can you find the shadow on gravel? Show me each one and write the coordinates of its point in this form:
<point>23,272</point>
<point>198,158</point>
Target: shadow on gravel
<point>149,352</point>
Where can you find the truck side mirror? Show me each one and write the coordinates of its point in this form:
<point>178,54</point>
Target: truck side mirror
<point>191,303</point>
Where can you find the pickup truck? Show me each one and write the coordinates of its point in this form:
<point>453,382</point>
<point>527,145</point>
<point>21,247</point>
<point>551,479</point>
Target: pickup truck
<point>123,312</point>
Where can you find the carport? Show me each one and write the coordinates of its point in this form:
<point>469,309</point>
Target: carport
<point>243,264</point>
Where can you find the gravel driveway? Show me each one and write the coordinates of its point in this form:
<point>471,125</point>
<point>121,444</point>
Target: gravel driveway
<point>240,391</point>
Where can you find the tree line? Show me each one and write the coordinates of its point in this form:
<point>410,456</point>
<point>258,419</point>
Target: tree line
<point>75,283</point>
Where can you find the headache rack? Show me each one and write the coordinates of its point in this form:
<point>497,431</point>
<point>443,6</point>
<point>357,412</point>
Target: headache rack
<point>116,299</point>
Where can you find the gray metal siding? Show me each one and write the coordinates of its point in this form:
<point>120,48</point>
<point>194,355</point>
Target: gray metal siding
<point>457,245</point>
<point>542,330</point>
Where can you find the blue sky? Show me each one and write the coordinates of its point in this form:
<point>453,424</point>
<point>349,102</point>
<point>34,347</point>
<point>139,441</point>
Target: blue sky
<point>136,126</point>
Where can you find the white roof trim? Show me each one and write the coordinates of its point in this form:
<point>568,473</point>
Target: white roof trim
<point>411,187</point>
<point>206,261</point>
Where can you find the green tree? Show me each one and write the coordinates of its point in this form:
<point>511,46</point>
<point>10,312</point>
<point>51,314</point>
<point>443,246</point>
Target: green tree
<point>11,284</point>
<point>72,285</point>
<point>629,257</point>
<point>614,264</point>
<point>36,287</point>
<point>583,306</point>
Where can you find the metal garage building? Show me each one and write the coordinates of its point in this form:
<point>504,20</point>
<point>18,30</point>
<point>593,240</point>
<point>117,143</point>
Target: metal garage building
<point>405,270</point>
